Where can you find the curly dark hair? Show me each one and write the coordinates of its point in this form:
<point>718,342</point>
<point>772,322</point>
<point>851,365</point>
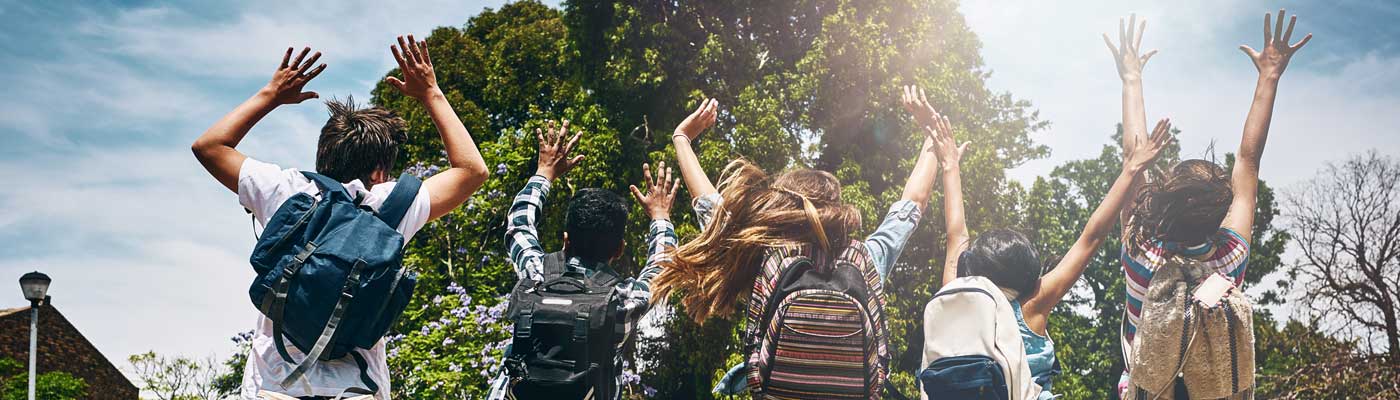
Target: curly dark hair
<point>357,142</point>
<point>1186,205</point>
<point>595,222</point>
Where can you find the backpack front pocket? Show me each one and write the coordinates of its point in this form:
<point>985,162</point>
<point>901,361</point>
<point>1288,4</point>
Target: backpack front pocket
<point>964,377</point>
<point>820,347</point>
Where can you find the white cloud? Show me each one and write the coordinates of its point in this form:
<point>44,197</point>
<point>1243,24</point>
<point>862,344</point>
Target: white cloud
<point>1052,55</point>
<point>147,252</point>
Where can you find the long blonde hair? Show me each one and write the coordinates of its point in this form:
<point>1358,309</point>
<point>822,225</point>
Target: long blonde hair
<point>800,207</point>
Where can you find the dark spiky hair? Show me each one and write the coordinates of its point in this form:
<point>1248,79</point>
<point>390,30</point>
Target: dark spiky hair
<point>357,142</point>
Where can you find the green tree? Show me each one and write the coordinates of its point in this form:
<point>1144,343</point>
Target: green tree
<point>58,385</point>
<point>802,83</point>
<point>806,84</point>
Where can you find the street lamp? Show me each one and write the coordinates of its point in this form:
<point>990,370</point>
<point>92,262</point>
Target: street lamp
<point>35,286</point>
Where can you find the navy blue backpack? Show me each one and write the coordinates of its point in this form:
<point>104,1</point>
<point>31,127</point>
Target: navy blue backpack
<point>330,274</point>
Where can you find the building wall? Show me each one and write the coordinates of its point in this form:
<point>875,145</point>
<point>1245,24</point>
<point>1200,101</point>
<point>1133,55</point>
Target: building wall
<point>63,348</point>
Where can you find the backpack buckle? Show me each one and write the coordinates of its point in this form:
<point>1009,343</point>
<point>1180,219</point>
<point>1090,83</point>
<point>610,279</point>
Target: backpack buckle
<point>515,368</point>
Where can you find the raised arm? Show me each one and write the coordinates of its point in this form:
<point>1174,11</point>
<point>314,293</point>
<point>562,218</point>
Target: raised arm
<point>1270,62</point>
<point>215,149</point>
<point>661,235</point>
<point>692,173</point>
<point>522,235</point>
<point>920,182</point>
<point>1127,56</point>
<point>451,187</point>
<point>949,155</point>
<point>1055,284</point>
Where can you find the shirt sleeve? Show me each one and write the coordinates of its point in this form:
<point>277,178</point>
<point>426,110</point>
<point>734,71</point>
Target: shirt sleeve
<point>661,238</point>
<point>888,240</point>
<point>704,207</point>
<point>522,238</point>
<point>1233,251</point>
<point>263,187</point>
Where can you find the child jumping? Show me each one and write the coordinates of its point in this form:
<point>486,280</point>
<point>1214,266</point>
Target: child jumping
<point>357,148</point>
<point>573,313</point>
<point>1010,261</point>
<point>786,242</point>
<point>1190,225</point>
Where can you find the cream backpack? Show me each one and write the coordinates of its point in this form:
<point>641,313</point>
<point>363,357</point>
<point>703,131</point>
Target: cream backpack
<point>1211,347</point>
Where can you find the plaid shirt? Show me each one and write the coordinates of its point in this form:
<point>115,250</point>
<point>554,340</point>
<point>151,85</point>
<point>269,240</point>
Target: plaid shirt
<point>528,258</point>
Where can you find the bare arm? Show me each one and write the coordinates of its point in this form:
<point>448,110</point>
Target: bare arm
<point>1270,62</point>
<point>1058,282</point>
<point>692,173</point>
<point>215,149</point>
<point>1130,63</point>
<point>451,187</point>
<point>949,155</point>
<point>920,182</point>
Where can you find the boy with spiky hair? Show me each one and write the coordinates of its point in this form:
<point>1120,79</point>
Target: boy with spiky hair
<point>357,147</point>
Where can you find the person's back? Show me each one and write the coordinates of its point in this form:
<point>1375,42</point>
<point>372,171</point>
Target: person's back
<point>757,230</point>
<point>357,148</point>
<point>551,354</point>
<point>1197,217</point>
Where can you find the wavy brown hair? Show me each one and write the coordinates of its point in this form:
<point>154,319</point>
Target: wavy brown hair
<point>800,207</point>
<point>1185,205</point>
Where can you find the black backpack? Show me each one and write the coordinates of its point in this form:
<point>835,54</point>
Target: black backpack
<point>567,329</point>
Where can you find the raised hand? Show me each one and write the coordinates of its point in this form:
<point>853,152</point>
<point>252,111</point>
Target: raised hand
<point>1128,53</point>
<point>661,191</point>
<point>914,101</point>
<point>949,151</point>
<point>700,120</point>
<point>555,146</point>
<point>1148,148</point>
<point>287,83</point>
<point>1274,58</point>
<point>419,79</point>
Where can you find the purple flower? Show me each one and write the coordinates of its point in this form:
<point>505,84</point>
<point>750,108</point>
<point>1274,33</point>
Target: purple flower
<point>648,391</point>
<point>495,194</point>
<point>501,169</point>
<point>461,250</point>
<point>456,289</point>
<point>448,342</point>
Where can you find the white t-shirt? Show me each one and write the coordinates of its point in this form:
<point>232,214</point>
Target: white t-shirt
<point>262,188</point>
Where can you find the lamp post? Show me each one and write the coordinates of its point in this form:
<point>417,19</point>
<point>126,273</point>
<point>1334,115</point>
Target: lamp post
<point>35,286</point>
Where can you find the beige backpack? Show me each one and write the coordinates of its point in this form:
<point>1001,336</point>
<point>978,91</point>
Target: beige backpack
<point>1211,347</point>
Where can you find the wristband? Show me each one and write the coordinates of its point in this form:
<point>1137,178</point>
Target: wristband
<point>680,135</point>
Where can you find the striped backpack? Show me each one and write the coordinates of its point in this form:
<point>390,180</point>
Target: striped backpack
<point>816,326</point>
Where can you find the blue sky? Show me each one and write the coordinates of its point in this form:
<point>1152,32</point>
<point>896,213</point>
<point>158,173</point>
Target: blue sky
<point>102,100</point>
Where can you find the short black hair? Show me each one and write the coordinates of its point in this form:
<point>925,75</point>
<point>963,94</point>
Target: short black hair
<point>595,222</point>
<point>1006,257</point>
<point>357,142</point>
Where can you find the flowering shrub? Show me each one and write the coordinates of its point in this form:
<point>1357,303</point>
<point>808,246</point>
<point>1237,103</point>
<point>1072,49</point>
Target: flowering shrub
<point>457,354</point>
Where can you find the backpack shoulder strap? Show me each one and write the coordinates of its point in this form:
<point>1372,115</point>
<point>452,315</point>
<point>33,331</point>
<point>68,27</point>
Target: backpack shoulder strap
<point>554,265</point>
<point>400,199</point>
<point>328,186</point>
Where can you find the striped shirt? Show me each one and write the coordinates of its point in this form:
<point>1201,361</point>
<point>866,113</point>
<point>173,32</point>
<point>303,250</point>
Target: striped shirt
<point>1226,252</point>
<point>527,256</point>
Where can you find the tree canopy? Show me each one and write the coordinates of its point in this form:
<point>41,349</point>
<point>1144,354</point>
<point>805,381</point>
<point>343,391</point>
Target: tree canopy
<point>801,83</point>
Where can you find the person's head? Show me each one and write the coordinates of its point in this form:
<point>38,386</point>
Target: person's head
<point>801,207</point>
<point>1007,258</point>
<point>594,224</point>
<point>1185,205</point>
<point>359,143</point>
